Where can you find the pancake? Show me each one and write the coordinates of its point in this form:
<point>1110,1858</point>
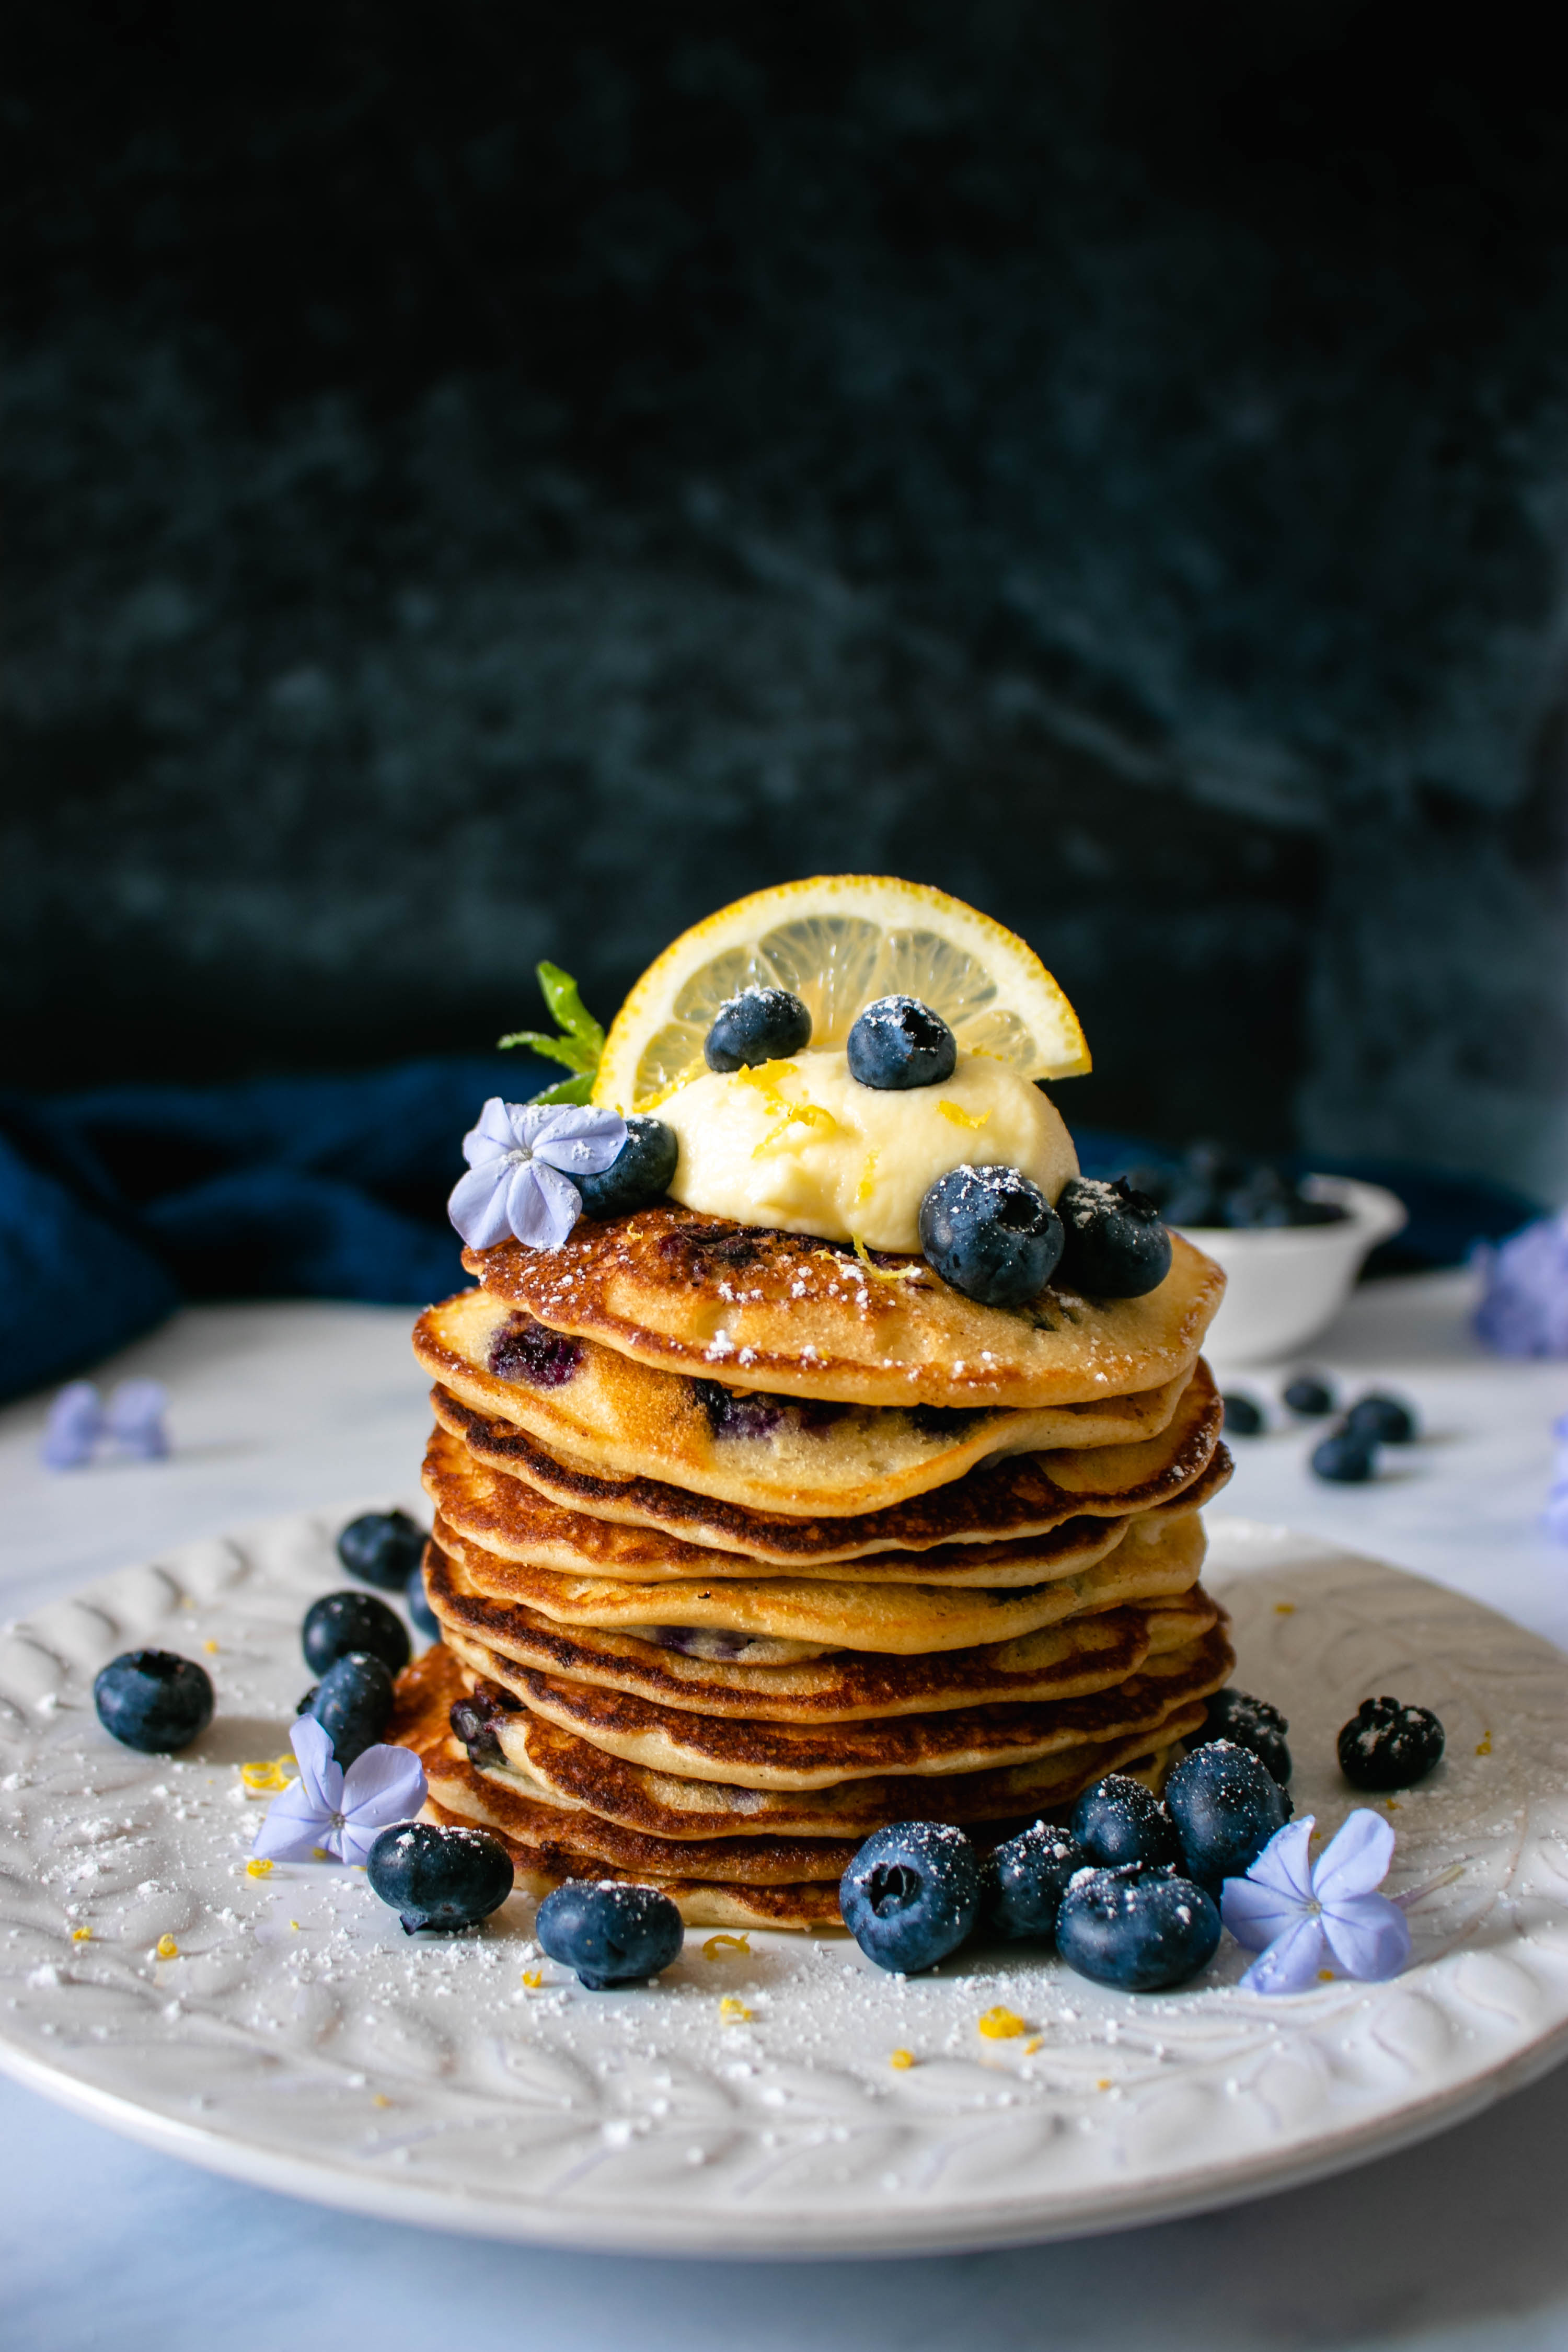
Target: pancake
<point>472,1593</point>
<point>766,1453</point>
<point>1067,1660</point>
<point>763,1755</point>
<point>675,1805</point>
<point>1016,1497</point>
<point>764,1309</point>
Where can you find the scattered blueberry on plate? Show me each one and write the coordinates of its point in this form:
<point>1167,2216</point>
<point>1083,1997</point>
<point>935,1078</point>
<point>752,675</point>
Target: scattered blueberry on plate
<point>352,1703</point>
<point>1310,1396</point>
<point>639,1173</point>
<point>1119,1821</point>
<point>991,1234</point>
<point>761,1025</point>
<point>1226,1805</point>
<point>341,1622</point>
<point>612,1934</point>
<point>899,1043</point>
<point>1384,1420</point>
<point>153,1700</point>
<point>1345,1457</point>
<point>382,1547</point>
<point>1252,1723</point>
<point>1137,1930</point>
<point>424,1617</point>
<point>437,1876</point>
<point>912,1895</point>
<point>1114,1244</point>
<point>1386,1745</point>
<point>1024,1881</point>
<point>1242,1417</point>
<point>1230,1190</point>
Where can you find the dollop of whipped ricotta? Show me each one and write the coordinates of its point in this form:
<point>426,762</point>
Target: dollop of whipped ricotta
<point>802,1145</point>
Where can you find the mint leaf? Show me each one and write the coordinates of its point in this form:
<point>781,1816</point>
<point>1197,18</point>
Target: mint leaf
<point>569,1090</point>
<point>580,1042</point>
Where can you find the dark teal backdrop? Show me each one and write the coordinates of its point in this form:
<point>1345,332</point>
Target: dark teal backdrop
<point>491,481</point>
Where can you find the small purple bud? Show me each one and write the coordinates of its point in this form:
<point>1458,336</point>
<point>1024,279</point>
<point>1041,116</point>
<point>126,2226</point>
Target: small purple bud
<point>74,1427</point>
<point>135,1419</point>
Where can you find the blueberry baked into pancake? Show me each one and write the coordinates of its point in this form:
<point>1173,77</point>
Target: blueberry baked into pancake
<point>818,1450</point>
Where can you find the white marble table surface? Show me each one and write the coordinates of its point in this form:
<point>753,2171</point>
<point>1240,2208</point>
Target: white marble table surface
<point>1457,2244</point>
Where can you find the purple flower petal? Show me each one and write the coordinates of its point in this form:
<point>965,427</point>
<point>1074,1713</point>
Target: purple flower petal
<point>476,1204</point>
<point>1284,1867</point>
<point>320,1774</point>
<point>576,1137</point>
<point>135,1419</point>
<point>541,1206</point>
<point>1292,1961</point>
<point>1258,1916</point>
<point>384,1786</point>
<point>72,1430</point>
<point>1368,1936</point>
<point>1524,1303</point>
<point>1355,1859</point>
<point>491,1136</point>
<point>295,1825</point>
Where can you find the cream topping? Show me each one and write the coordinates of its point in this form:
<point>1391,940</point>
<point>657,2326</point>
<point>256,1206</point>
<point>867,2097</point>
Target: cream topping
<point>804,1146</point>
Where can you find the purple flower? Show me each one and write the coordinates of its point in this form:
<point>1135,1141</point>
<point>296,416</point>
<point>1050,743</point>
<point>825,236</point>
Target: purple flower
<point>521,1155</point>
<point>337,1813</point>
<point>135,1419</point>
<point>73,1428</point>
<point>1296,1916</point>
<point>1524,1304</point>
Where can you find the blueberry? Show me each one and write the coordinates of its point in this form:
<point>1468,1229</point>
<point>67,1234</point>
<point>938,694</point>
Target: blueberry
<point>436,1877</point>
<point>382,1547</point>
<point>523,1350</point>
<point>1114,1245</point>
<point>426,1620</point>
<point>1250,1723</point>
<point>1024,1880</point>
<point>1387,1745</point>
<point>341,1622</point>
<point>1140,1931</point>
<point>1119,1820</point>
<point>639,1173</point>
<point>353,1703</point>
<point>1308,1396</point>
<point>1345,1457</point>
<point>153,1700</point>
<point>991,1234</point>
<point>611,1934</point>
<point>1242,1417</point>
<point>1226,1805</point>
<point>473,1719</point>
<point>912,1895</point>
<point>1383,1419</point>
<point>761,1025</point>
<point>899,1043</point>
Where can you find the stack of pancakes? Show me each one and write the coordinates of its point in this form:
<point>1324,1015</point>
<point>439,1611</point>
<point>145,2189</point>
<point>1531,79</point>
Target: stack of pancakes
<point>746,1544</point>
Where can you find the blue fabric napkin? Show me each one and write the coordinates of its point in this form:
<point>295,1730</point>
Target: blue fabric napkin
<point>117,1204</point>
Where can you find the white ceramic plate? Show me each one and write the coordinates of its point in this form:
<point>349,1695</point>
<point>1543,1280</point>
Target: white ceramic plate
<point>300,2040</point>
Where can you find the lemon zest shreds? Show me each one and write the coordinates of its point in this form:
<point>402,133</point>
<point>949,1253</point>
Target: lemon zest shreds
<point>211,1649</point>
<point>534,1978</point>
<point>82,1935</point>
<point>1000,2024</point>
<point>1103,2083</point>
<point>1484,1744</point>
<point>258,1866</point>
<point>1325,1976</point>
<point>884,1273</point>
<point>380,2099</point>
<point>167,1948</point>
<point>819,1125</point>
<point>719,1948</point>
<point>867,1184</point>
<point>958,1117</point>
<point>732,2011</point>
<point>295,1925</point>
<point>902,2060</point>
<point>1284,1609</point>
<point>270,1775</point>
<point>1036,2041</point>
<point>765,1076</point>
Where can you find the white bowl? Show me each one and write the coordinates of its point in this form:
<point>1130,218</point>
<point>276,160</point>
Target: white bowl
<point>1284,1282</point>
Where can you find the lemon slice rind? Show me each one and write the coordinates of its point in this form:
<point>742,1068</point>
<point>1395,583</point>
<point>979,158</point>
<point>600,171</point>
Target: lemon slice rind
<point>838,940</point>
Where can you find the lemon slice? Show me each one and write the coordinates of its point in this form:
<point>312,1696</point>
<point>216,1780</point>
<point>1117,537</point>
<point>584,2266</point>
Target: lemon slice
<point>838,941</point>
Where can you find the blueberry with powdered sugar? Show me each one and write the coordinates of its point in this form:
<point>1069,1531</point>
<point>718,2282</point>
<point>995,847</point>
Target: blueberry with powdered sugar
<point>1137,1930</point>
<point>1226,1805</point>
<point>1388,1745</point>
<point>1119,1821</point>
<point>912,1895</point>
<point>1252,1723</point>
<point>898,1042</point>
<point>639,1174</point>
<point>611,1934</point>
<point>761,1025</point>
<point>341,1622</point>
<point>1024,1880</point>
<point>991,1234</point>
<point>439,1876</point>
<point>1115,1246</point>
